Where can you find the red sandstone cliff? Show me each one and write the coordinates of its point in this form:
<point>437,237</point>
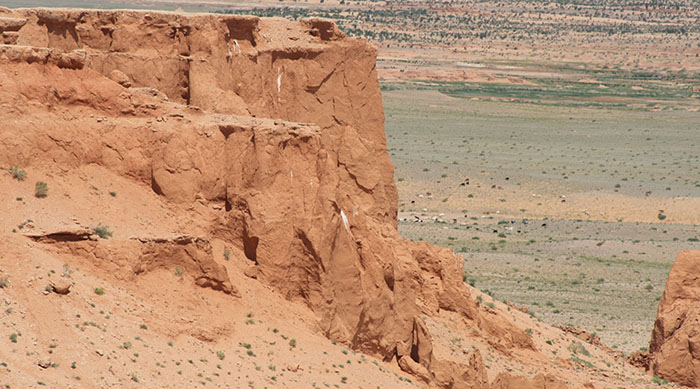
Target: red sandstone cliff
<point>675,340</point>
<point>269,135</point>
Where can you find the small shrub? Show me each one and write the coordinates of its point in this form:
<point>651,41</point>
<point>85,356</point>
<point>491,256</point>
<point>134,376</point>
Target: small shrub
<point>179,272</point>
<point>582,361</point>
<point>661,216</point>
<point>578,348</point>
<point>99,291</point>
<point>292,343</point>
<point>227,254</point>
<point>4,282</point>
<point>659,381</point>
<point>221,355</point>
<point>41,190</point>
<point>102,231</point>
<point>17,173</point>
<point>13,338</point>
<point>67,271</point>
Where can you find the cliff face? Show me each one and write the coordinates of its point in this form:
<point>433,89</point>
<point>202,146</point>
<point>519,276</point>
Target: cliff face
<point>272,132</point>
<point>304,72</point>
<point>675,341</point>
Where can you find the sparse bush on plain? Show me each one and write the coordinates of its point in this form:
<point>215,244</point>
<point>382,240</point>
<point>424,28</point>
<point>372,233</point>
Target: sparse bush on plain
<point>578,348</point>
<point>41,189</point>
<point>17,173</point>
<point>102,231</point>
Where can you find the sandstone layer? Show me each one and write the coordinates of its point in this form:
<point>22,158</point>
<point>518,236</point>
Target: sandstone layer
<point>675,340</point>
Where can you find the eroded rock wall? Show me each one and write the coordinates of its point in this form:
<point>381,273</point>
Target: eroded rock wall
<point>304,72</point>
<point>278,123</point>
<point>675,341</point>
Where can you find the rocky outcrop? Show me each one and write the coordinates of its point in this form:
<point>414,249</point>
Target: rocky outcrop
<point>280,125</point>
<point>540,381</point>
<point>126,259</point>
<point>27,54</point>
<point>303,72</point>
<point>675,340</point>
<point>8,29</point>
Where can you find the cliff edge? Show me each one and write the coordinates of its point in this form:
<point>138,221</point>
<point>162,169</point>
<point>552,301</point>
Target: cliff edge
<point>265,135</point>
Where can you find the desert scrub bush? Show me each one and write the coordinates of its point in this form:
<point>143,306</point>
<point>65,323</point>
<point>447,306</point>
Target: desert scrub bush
<point>17,173</point>
<point>102,231</point>
<point>4,282</point>
<point>99,291</point>
<point>41,189</point>
<point>582,362</point>
<point>659,381</point>
<point>577,348</point>
<point>221,355</point>
<point>13,338</point>
<point>661,216</point>
<point>179,272</point>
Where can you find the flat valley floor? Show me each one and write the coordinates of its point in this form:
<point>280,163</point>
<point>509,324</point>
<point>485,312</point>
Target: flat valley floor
<point>575,212</point>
